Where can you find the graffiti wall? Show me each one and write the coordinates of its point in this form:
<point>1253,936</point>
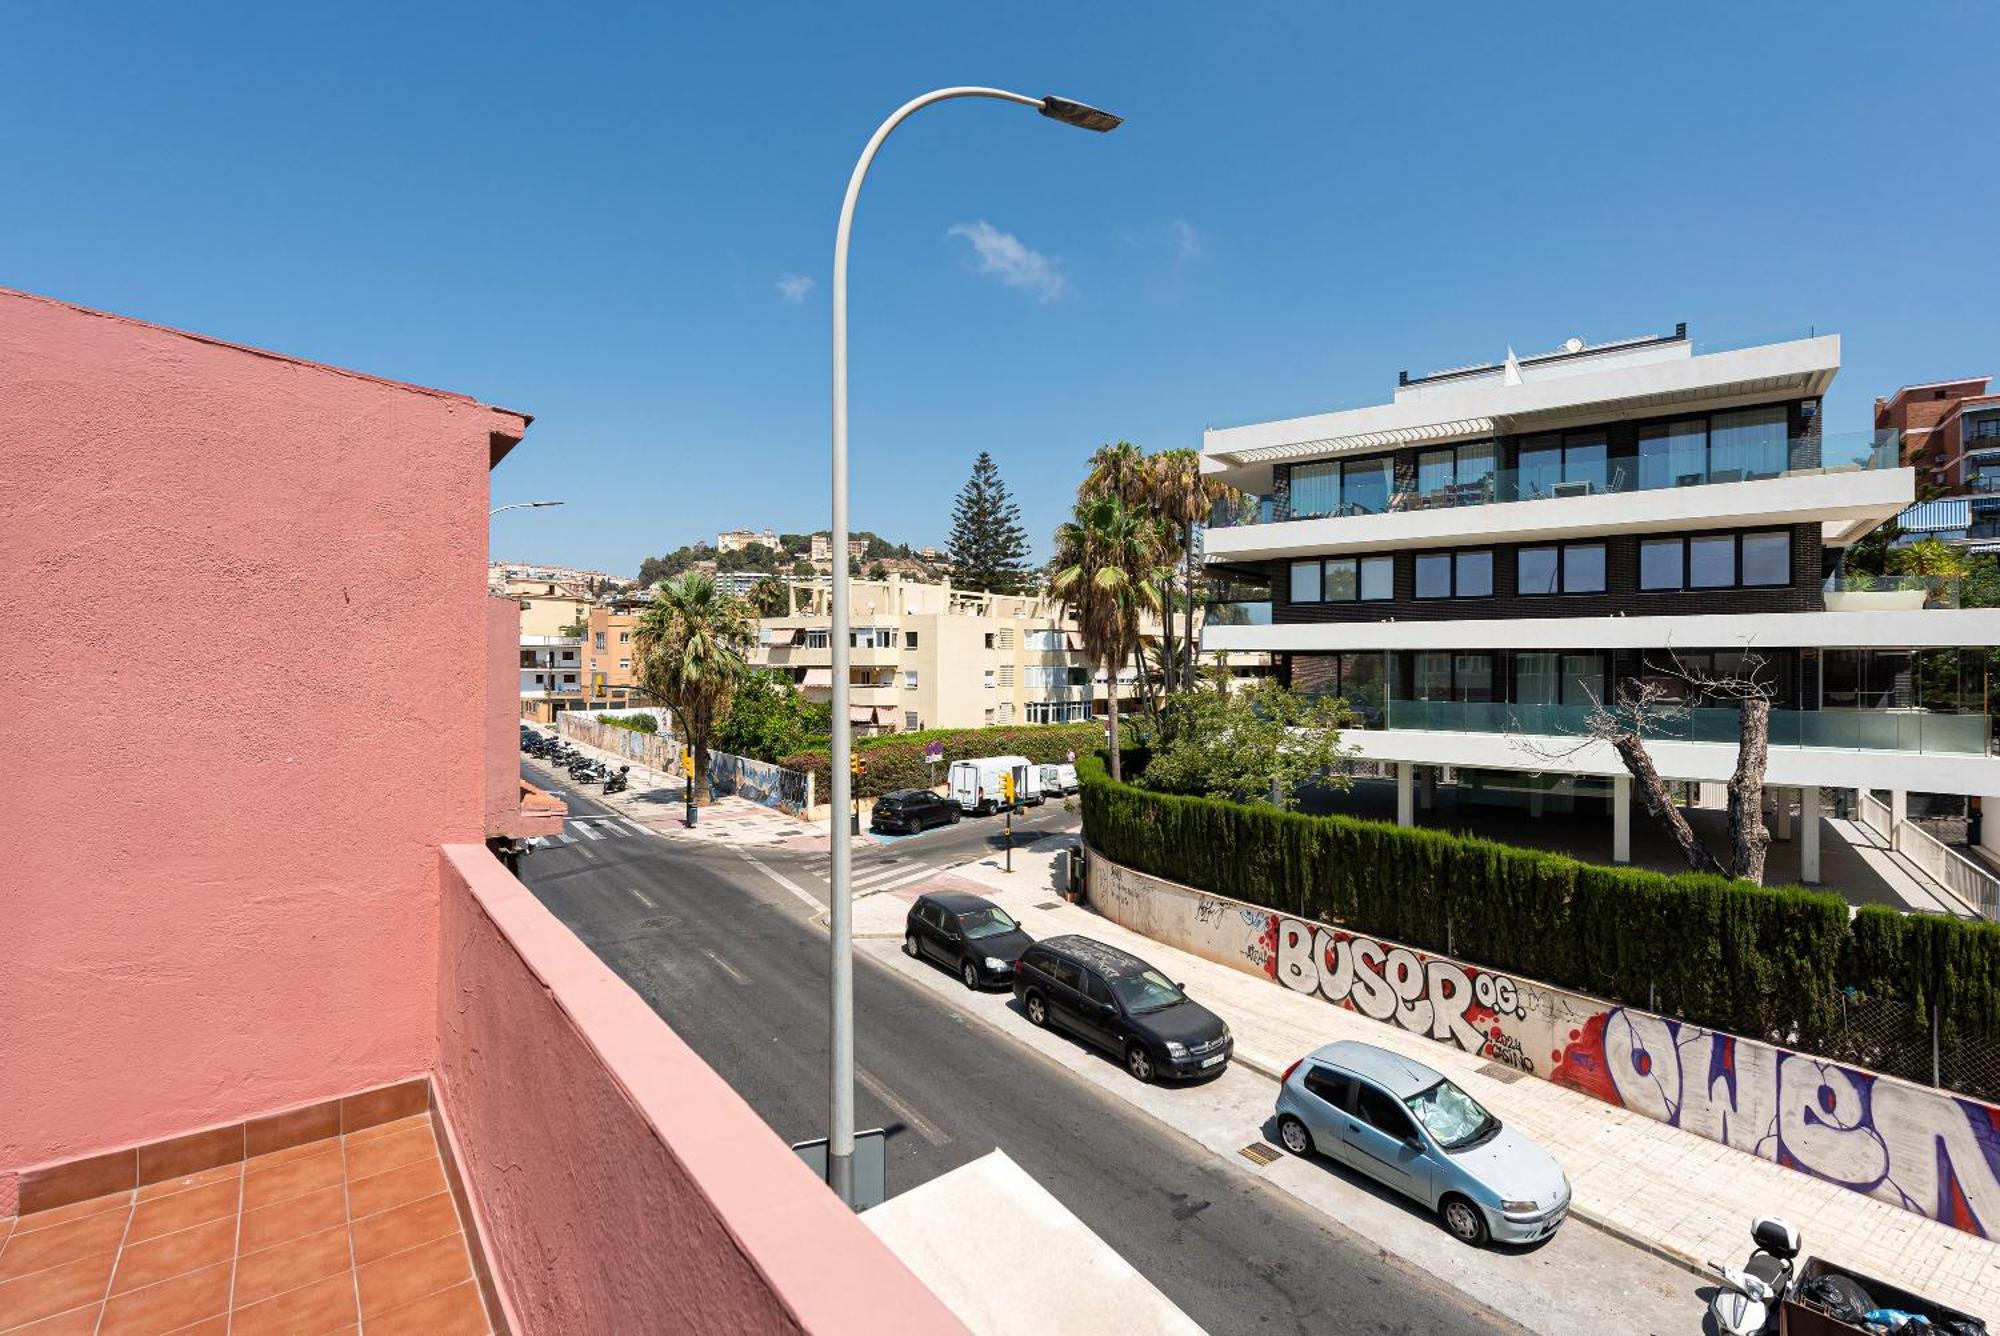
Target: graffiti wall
<point>1928,1151</point>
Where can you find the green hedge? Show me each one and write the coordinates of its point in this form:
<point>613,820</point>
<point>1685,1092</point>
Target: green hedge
<point>1934,964</point>
<point>896,760</point>
<point>1757,961</point>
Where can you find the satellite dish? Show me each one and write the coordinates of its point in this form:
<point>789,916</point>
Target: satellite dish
<point>1572,345</point>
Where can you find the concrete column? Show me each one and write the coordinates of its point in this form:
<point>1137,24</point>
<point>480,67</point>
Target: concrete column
<point>1535,803</point>
<point>1809,833</point>
<point>1427,788</point>
<point>1621,818</point>
<point>1406,803</point>
<point>1899,808</point>
<point>1784,797</point>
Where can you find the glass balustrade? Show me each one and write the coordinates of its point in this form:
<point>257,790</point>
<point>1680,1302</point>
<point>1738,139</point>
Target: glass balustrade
<point>1255,612</point>
<point>1911,730</point>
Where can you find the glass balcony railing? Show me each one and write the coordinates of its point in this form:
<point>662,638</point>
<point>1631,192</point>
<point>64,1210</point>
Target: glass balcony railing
<point>1860,592</point>
<point>1241,613</point>
<point>1911,730</point>
<point>1555,480</point>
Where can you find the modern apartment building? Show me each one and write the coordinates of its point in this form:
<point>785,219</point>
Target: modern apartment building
<point>930,656</point>
<point>1478,563</point>
<point>822,548</point>
<point>1951,435</point>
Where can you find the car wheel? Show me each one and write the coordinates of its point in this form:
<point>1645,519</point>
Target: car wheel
<point>970,973</point>
<point>910,945</point>
<point>1464,1220</point>
<point>1038,1010</point>
<point>1140,1063</point>
<point>1294,1137</point>
<point>952,818</point>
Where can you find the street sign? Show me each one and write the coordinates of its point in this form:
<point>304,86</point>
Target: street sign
<point>870,1181</point>
<point>933,753</point>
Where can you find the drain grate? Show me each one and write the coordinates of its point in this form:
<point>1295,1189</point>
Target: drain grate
<point>1259,1153</point>
<point>1501,1072</point>
<point>1050,904</point>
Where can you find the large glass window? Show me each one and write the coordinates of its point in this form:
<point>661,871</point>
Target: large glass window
<point>1747,444</point>
<point>1767,558</point>
<point>1378,578</point>
<point>1538,570</point>
<point>1575,568</point>
<point>1342,580</point>
<point>1430,677</point>
<point>1712,561</point>
<point>1673,454</point>
<point>1460,474</point>
<point>1535,680</point>
<point>1583,568</point>
<point>1315,490</point>
<point>1582,679</point>
<point>1475,574</point>
<point>1365,486</point>
<point>1305,582</point>
<point>1660,563</point>
<point>1473,677</point>
<point>1434,575</point>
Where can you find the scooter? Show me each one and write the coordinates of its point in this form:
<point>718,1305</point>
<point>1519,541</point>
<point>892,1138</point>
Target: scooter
<point>616,782</point>
<point>1746,1301</point>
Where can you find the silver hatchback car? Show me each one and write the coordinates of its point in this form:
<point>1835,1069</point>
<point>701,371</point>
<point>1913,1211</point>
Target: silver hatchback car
<point>1406,1125</point>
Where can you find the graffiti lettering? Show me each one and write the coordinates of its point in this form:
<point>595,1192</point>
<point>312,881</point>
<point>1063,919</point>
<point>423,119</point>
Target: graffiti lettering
<point>1423,994</point>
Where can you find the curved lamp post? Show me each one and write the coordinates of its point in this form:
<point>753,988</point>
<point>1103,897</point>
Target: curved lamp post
<point>521,505</point>
<point>840,1139</point>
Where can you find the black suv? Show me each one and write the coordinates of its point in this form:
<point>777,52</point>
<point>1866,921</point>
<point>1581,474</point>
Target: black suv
<point>907,811</point>
<point>968,933</point>
<point>1120,1003</point>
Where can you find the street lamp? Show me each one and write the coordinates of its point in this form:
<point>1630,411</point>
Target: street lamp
<point>840,1139</point>
<point>521,505</point>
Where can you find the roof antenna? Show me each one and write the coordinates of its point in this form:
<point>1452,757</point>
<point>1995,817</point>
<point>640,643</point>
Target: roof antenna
<point>1512,373</point>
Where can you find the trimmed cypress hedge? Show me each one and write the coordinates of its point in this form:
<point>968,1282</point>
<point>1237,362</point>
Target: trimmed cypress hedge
<point>1763,962</point>
<point>1938,966</point>
<point>896,760</point>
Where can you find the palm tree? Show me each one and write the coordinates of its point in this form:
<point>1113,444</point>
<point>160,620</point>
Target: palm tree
<point>767,597</point>
<point>1184,496</point>
<point>1106,558</point>
<point>1120,470</point>
<point>689,642</point>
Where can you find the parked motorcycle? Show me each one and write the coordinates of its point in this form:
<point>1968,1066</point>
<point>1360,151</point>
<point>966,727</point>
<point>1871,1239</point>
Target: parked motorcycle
<point>1746,1301</point>
<point>616,782</point>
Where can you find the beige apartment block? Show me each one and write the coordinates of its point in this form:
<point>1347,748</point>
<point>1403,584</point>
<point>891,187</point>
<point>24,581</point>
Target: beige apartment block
<point>930,656</point>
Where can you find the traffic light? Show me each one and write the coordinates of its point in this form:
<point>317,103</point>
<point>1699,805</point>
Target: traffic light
<point>856,766</point>
<point>687,760</point>
<point>1007,787</point>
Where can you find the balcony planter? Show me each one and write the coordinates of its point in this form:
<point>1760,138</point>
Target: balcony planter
<point>1875,600</point>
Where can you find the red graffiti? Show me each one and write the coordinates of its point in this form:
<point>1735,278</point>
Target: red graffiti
<point>1270,942</point>
<point>1580,1066</point>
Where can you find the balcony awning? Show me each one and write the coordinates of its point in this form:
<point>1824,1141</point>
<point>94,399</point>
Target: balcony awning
<point>871,714</point>
<point>1368,440</point>
<point>818,677</point>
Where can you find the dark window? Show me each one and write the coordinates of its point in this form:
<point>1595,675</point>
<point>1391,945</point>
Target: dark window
<point>1583,568</point>
<point>909,640</point>
<point>989,640</point>
<point>1536,570</point>
<point>1342,580</point>
<point>1064,971</point>
<point>1443,574</point>
<point>1475,574</point>
<point>1037,959</point>
<point>1095,989</point>
<point>1305,583</point>
<point>1434,575</point>
<point>1336,1088</point>
<point>1660,563</point>
<point>1767,558</point>
<point>1378,578</point>
<point>1382,1113</point>
<point>932,915</point>
<point>1712,561</point>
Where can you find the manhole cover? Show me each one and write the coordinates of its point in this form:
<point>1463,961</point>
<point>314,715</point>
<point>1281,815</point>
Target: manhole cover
<point>1050,904</point>
<point>1501,1072</point>
<point>1259,1153</point>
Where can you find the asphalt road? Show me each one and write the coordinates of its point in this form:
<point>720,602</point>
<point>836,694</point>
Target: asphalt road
<point>735,963</point>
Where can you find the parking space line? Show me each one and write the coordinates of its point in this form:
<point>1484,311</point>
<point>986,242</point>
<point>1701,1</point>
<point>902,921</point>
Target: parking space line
<point>641,897</point>
<point>727,968</point>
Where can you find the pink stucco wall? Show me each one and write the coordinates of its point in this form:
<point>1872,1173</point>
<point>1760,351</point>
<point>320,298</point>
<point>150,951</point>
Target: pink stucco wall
<point>503,716</point>
<point>246,625</point>
<point>687,1213</point>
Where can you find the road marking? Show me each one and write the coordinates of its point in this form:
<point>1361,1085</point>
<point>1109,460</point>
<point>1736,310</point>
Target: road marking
<point>778,877</point>
<point>643,830</point>
<point>868,879</point>
<point>923,1126</point>
<point>586,831</point>
<point>565,837</point>
<point>903,880</point>
<point>641,897</point>
<point>727,968</point>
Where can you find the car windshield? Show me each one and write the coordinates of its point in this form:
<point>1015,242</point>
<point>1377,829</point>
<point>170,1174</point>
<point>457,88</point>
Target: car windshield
<point>1148,990</point>
<point>1453,1117</point>
<point>987,922</point>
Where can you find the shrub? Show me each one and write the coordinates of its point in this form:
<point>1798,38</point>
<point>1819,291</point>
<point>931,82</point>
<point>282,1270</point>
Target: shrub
<point>896,760</point>
<point>638,723</point>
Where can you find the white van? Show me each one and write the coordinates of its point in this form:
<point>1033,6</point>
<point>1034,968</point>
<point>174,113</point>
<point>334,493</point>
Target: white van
<point>975,785</point>
<point>1059,779</point>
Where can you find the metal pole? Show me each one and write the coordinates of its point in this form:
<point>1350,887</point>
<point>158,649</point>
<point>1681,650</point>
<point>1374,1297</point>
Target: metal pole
<point>840,1132</point>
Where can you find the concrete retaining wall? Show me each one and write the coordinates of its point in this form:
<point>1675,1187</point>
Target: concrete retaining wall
<point>1928,1151</point>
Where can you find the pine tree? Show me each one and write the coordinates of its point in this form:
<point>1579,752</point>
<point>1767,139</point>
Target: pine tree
<point>989,548</point>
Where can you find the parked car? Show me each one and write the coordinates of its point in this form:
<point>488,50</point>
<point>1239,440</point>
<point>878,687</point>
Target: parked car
<point>1060,779</point>
<point>1118,1002</point>
<point>1405,1125</point>
<point>907,811</point>
<point>968,933</point>
<point>975,784</point>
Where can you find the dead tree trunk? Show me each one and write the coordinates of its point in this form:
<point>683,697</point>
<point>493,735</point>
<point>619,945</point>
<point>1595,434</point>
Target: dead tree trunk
<point>1748,839</point>
<point>1660,803</point>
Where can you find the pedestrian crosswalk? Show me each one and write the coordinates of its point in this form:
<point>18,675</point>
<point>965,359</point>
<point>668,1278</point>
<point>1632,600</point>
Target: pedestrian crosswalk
<point>586,829</point>
<point>873,875</point>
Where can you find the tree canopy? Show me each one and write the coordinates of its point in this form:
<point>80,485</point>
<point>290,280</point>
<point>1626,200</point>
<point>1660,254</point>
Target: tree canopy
<point>1260,744</point>
<point>989,548</point>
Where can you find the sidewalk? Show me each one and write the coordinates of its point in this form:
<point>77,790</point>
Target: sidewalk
<point>1671,1192</point>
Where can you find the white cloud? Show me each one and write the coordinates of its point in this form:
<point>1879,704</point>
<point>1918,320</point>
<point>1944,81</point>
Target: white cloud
<point>794,287</point>
<point>1187,242</point>
<point>1004,256</point>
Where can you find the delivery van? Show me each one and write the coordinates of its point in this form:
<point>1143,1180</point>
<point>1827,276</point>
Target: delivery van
<point>975,785</point>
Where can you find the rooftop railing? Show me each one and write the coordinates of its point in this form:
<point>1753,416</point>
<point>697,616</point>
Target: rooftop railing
<point>1903,730</point>
<point>1559,478</point>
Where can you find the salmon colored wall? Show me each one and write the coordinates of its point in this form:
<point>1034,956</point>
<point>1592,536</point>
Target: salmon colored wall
<point>246,623</point>
<point>503,717</point>
<point>688,1213</point>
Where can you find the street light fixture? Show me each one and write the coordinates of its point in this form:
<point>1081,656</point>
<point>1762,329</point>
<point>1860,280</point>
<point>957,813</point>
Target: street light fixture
<point>521,505</point>
<point>840,1139</point>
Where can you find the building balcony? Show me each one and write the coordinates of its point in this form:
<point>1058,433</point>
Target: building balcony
<point>1901,730</point>
<point>1849,483</point>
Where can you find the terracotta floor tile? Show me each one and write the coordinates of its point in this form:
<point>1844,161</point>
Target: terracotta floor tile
<point>406,1183</point>
<point>260,1275</point>
<point>64,1243</point>
<point>293,1218</point>
<point>56,1289</point>
<point>221,1173</point>
<point>215,1326</point>
<point>374,1107</point>
<point>453,1312</point>
<point>307,1311</point>
<point>76,1322</point>
<point>176,1254</point>
<point>389,1128</point>
<point>294,1127</point>
<point>405,1277</point>
<point>405,1227</point>
<point>182,1210</point>
<point>169,1305</point>
<point>190,1154</point>
<point>294,1178</point>
<point>62,1215</point>
<point>378,1155</point>
<point>304,1150</point>
<point>6,1227</point>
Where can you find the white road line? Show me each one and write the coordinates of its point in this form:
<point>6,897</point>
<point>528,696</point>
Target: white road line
<point>566,837</point>
<point>780,878</point>
<point>727,968</point>
<point>642,830</point>
<point>917,875</point>
<point>923,1126</point>
<point>587,832</point>
<point>882,874</point>
<point>641,897</point>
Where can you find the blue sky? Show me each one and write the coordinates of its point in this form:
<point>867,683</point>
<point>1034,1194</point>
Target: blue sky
<point>620,220</point>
